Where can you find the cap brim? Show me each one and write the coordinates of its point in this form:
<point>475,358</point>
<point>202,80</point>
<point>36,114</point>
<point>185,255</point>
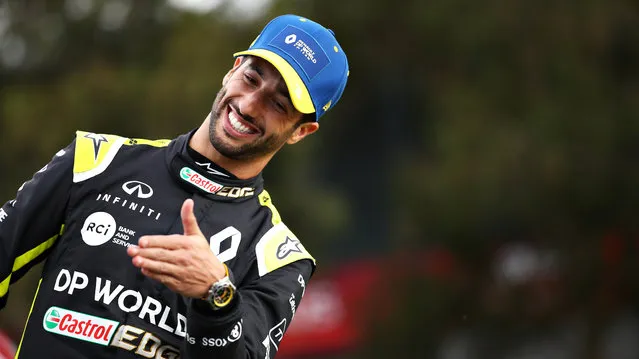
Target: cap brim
<point>297,89</point>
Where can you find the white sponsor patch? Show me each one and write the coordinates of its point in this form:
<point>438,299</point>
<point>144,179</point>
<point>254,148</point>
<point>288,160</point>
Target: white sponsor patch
<point>79,325</point>
<point>199,181</point>
<point>98,229</point>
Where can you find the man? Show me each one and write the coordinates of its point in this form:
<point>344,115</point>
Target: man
<point>173,249</point>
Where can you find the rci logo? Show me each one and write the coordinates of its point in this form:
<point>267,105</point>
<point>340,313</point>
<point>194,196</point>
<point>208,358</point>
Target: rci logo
<point>98,228</point>
<point>79,325</point>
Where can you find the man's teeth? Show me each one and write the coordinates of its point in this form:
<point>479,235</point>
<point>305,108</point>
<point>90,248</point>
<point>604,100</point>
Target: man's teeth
<point>237,125</point>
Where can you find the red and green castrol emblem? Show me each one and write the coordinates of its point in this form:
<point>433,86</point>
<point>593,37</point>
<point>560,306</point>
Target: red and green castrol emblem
<point>199,181</point>
<point>79,325</point>
<point>52,319</point>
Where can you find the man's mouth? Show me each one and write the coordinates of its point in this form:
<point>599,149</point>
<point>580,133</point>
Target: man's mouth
<point>239,126</point>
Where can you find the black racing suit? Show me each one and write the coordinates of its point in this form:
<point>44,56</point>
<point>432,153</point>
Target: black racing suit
<point>97,197</point>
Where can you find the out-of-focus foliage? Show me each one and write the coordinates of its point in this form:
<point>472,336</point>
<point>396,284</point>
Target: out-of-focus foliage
<point>465,124</point>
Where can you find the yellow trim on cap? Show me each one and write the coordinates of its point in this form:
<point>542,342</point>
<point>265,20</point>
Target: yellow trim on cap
<point>296,88</point>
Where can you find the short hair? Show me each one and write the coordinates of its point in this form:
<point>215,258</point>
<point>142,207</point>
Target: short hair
<point>306,117</point>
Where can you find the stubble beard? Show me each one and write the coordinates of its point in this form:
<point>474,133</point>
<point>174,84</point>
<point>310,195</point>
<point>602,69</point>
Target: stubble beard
<point>260,147</point>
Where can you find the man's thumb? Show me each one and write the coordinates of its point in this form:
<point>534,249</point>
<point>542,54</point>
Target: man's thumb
<point>189,222</point>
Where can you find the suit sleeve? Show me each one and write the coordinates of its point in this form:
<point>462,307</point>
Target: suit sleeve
<point>257,321</point>
<point>32,222</point>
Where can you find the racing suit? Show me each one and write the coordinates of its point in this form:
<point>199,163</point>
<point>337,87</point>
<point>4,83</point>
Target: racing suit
<point>97,197</point>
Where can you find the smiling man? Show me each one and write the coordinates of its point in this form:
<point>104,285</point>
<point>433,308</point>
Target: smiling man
<point>173,249</point>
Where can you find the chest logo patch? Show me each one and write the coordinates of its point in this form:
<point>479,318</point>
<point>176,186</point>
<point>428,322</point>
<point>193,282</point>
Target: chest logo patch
<point>79,325</point>
<point>98,229</point>
<point>199,181</point>
<point>137,188</point>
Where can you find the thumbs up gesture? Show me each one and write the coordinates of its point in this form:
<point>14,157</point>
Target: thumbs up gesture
<point>182,262</point>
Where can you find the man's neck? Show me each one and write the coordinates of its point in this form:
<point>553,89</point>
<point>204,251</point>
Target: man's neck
<point>201,143</point>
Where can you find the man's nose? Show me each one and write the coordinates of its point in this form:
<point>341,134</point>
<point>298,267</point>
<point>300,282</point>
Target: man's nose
<point>251,103</point>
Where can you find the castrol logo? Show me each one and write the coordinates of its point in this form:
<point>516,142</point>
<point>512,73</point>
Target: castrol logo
<point>79,325</point>
<point>199,181</point>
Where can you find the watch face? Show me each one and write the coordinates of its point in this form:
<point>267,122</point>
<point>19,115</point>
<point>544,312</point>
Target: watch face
<point>222,293</point>
<point>223,296</point>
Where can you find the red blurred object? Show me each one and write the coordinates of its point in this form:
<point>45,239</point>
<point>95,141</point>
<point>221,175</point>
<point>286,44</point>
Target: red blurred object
<point>7,347</point>
<point>326,320</point>
<point>338,307</point>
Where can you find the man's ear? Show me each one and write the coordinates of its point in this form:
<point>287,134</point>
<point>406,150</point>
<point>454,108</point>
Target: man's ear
<point>302,131</point>
<point>238,62</point>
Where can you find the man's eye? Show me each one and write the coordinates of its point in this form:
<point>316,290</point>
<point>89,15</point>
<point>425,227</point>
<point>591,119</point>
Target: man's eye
<point>280,106</point>
<point>250,79</point>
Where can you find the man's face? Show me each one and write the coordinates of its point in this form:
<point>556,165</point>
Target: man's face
<point>252,115</point>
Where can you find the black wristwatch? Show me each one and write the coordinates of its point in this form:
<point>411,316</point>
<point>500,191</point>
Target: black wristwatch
<point>221,293</point>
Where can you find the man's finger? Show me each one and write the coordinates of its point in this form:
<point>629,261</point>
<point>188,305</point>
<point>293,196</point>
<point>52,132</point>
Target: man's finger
<point>189,222</point>
<point>173,241</point>
<point>162,278</point>
<point>157,254</point>
<point>154,266</point>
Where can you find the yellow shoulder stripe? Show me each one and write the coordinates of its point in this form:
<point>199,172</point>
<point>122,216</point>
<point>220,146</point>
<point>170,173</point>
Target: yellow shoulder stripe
<point>94,152</point>
<point>27,257</point>
<point>265,200</point>
<point>277,248</point>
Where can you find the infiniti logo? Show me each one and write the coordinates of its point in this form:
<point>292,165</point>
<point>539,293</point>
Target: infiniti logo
<point>141,189</point>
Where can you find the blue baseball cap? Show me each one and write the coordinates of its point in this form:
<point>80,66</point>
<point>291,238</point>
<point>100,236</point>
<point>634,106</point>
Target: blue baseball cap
<point>308,57</point>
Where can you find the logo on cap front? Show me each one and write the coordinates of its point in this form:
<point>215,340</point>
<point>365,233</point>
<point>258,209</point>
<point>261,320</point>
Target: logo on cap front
<point>290,39</point>
<point>303,48</point>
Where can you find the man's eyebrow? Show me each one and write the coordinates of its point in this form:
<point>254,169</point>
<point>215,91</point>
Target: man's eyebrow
<point>256,68</point>
<point>283,90</point>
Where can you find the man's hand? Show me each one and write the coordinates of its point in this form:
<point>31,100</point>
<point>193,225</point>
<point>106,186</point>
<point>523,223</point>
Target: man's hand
<point>184,263</point>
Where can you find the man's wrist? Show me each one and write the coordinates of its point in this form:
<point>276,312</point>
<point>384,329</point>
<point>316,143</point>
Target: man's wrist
<point>221,293</point>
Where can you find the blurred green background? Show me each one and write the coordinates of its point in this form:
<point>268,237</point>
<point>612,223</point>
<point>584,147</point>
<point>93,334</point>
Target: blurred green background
<point>484,155</point>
